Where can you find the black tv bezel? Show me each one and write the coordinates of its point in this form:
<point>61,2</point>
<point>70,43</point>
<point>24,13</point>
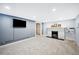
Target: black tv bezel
<point>19,26</point>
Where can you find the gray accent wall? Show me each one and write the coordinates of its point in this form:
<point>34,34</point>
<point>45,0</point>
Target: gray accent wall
<point>6,28</point>
<point>9,34</point>
<point>0,29</point>
<point>77,29</point>
<point>29,31</point>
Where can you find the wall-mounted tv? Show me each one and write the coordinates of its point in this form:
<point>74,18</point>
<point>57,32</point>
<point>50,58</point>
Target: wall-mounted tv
<point>19,23</point>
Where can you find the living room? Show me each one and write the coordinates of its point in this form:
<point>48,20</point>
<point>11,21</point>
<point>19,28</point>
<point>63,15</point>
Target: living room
<point>39,28</point>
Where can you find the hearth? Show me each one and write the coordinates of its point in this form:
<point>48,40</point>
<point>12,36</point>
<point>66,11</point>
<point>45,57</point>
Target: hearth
<point>55,34</point>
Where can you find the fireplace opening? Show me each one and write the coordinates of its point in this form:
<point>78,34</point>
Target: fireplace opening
<point>55,34</point>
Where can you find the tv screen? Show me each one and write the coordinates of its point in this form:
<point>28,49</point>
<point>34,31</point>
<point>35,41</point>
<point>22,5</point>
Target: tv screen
<point>19,23</point>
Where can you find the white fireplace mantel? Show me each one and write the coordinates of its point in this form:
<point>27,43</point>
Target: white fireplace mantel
<point>60,32</point>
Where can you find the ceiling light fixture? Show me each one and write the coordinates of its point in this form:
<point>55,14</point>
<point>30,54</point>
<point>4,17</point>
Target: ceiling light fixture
<point>7,7</point>
<point>53,9</point>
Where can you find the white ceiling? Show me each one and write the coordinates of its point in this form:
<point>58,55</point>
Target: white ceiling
<point>42,11</point>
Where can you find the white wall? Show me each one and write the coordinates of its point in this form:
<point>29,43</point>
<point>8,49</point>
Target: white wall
<point>65,23</point>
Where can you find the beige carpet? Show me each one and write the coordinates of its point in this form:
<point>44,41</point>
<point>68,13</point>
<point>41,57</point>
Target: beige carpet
<point>40,46</point>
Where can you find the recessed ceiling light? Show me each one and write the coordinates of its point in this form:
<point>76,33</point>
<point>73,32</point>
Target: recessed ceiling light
<point>53,9</point>
<point>7,7</point>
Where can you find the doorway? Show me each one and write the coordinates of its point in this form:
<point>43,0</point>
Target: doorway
<point>37,28</point>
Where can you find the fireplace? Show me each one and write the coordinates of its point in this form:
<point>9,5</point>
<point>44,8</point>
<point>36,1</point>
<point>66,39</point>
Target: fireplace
<point>55,34</point>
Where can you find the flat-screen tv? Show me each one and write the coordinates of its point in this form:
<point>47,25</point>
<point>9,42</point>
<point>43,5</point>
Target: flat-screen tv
<point>19,23</point>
